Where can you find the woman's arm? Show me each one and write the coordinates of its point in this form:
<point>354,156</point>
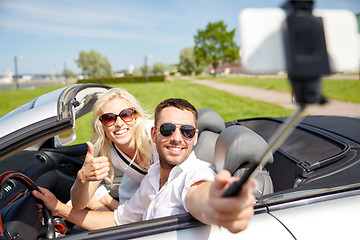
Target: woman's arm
<point>88,178</point>
<point>81,192</point>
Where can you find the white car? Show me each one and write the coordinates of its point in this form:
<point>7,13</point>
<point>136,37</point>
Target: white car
<point>309,191</point>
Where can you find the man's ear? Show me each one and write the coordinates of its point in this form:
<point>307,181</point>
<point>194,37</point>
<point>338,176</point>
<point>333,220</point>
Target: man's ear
<point>153,134</point>
<point>196,136</point>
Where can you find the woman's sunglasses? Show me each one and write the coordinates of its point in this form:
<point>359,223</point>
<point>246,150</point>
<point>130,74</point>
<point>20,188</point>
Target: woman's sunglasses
<point>167,129</point>
<point>109,119</point>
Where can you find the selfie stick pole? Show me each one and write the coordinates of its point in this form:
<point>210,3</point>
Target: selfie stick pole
<point>307,60</point>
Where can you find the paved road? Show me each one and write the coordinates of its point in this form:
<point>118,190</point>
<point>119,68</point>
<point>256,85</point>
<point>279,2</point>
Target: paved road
<point>333,107</point>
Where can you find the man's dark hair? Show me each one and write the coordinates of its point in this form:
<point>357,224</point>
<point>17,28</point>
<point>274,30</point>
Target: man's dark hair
<point>178,103</point>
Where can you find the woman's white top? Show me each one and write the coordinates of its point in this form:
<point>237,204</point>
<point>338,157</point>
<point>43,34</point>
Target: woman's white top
<point>133,173</point>
<point>123,162</point>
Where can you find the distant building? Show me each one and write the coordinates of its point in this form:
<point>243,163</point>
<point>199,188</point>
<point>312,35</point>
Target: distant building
<point>8,77</point>
<point>118,75</point>
<point>226,69</point>
<point>25,78</point>
<point>131,69</point>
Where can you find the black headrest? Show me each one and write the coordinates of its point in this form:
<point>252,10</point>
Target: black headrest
<point>236,146</point>
<point>210,120</point>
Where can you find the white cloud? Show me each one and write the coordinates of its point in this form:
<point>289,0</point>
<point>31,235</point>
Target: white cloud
<point>69,14</point>
<point>54,29</point>
<point>94,20</point>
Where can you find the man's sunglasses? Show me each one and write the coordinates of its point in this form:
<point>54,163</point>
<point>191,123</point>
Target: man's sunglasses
<point>109,119</point>
<point>167,129</point>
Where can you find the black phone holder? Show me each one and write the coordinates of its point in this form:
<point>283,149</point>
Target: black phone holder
<point>307,60</point>
<point>306,55</point>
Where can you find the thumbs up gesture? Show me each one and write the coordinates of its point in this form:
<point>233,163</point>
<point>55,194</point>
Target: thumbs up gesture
<point>94,168</point>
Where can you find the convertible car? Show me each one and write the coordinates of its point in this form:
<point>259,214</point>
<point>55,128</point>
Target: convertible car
<point>309,189</point>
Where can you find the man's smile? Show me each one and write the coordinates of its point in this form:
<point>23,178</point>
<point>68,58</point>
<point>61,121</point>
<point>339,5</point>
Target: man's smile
<point>174,148</point>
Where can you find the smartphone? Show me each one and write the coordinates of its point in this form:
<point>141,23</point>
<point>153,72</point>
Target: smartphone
<point>235,188</point>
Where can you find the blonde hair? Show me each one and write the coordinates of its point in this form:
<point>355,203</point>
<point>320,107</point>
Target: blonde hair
<point>143,147</point>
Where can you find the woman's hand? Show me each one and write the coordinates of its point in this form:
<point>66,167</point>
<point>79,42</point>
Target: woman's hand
<point>94,168</point>
<point>49,199</point>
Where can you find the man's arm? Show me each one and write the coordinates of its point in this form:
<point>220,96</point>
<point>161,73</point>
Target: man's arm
<point>89,220</point>
<point>205,203</point>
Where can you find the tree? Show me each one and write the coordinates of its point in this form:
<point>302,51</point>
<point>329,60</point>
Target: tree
<point>68,73</point>
<point>144,68</point>
<point>188,63</point>
<point>158,68</point>
<point>93,64</point>
<point>215,45</point>
<point>137,72</point>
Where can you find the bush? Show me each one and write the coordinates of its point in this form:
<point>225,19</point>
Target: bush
<point>126,79</point>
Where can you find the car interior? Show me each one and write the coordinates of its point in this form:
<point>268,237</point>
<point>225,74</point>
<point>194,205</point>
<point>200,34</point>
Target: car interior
<point>231,148</point>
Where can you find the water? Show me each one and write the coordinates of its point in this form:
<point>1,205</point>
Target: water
<point>34,84</point>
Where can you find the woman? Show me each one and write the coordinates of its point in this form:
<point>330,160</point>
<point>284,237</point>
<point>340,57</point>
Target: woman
<point>120,140</point>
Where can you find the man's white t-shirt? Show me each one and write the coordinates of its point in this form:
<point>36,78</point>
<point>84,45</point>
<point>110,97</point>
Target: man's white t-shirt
<point>149,202</point>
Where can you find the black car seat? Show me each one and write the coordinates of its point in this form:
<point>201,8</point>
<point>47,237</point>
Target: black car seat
<point>210,125</point>
<point>235,147</point>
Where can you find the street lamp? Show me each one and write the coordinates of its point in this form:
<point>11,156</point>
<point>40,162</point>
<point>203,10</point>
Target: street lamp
<point>16,70</point>
<point>146,68</point>
<point>65,71</point>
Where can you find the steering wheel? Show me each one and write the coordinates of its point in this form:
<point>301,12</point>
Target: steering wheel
<point>18,217</point>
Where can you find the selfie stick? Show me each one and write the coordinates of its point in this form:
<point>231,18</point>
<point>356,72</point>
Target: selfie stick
<point>307,60</point>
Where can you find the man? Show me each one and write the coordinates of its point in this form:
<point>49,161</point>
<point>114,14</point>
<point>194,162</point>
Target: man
<point>177,183</point>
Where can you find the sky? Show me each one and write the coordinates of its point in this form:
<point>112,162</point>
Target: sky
<point>50,34</point>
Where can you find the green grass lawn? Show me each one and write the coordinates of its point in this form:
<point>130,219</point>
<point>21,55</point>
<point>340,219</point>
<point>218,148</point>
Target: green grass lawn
<point>229,106</point>
<point>344,90</point>
<point>340,89</point>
